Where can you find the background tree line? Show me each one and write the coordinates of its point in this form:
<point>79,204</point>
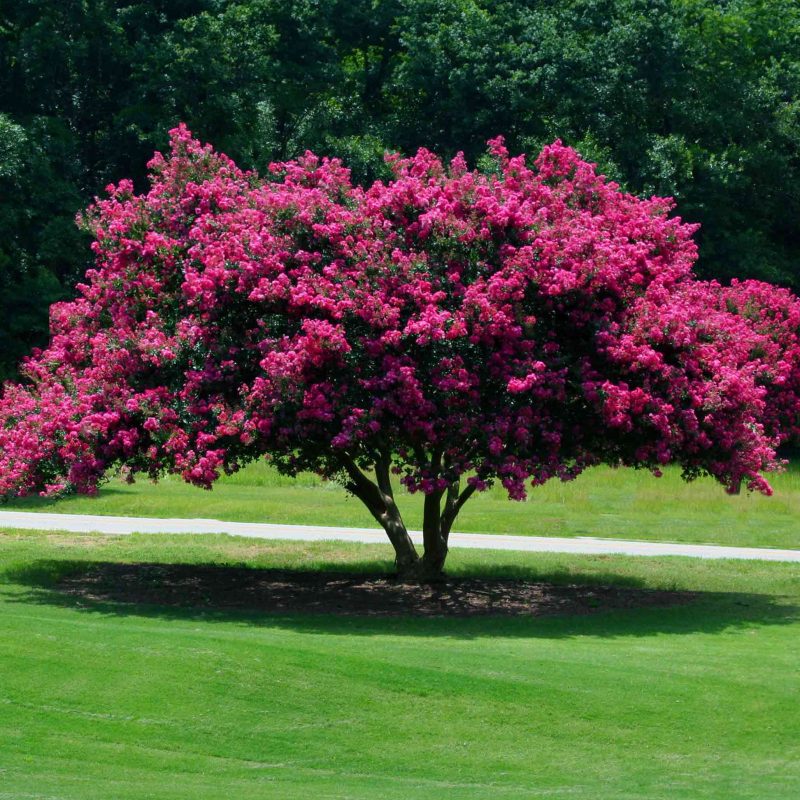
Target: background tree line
<point>690,98</point>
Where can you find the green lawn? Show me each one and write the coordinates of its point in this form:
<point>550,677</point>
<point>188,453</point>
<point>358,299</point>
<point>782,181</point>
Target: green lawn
<point>603,502</point>
<point>103,700</point>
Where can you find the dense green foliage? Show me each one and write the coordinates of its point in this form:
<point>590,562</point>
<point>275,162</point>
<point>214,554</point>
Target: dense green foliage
<point>105,699</point>
<point>690,98</point>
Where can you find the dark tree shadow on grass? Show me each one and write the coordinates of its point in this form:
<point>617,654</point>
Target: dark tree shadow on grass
<point>552,605</point>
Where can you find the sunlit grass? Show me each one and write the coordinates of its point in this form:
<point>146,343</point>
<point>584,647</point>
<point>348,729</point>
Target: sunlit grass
<point>116,700</point>
<point>603,502</point>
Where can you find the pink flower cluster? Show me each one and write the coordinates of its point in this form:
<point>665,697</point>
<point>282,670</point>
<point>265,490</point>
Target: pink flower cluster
<point>510,327</point>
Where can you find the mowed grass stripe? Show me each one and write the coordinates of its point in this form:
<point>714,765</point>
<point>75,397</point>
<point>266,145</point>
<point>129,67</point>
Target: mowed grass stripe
<point>126,701</point>
<point>603,502</point>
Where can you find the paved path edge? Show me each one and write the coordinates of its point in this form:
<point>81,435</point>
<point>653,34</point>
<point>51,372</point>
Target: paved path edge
<point>88,523</point>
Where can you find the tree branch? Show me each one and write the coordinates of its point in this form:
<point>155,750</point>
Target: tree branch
<point>383,475</point>
<point>452,498</point>
<point>363,488</point>
<point>455,502</point>
<point>382,506</point>
<point>431,515</point>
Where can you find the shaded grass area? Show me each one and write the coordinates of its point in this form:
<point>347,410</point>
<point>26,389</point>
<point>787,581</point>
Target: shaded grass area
<point>603,502</point>
<point>276,591</point>
<point>109,697</point>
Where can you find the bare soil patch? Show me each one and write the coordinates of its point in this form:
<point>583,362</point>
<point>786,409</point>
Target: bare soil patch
<point>290,592</point>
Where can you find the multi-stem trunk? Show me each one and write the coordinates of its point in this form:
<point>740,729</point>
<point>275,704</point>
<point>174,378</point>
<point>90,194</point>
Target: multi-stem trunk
<point>438,522</point>
<point>438,519</point>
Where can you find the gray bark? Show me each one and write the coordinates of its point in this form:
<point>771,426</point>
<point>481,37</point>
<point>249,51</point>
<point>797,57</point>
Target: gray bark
<point>437,523</point>
<point>379,499</point>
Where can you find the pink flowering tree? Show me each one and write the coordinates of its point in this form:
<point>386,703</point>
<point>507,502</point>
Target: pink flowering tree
<point>773,315</point>
<point>448,329</point>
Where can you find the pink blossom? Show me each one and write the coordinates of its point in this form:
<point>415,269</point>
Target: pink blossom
<point>512,327</point>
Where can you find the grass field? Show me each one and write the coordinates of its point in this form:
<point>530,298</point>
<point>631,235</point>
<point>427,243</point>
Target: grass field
<point>603,502</point>
<point>104,700</point>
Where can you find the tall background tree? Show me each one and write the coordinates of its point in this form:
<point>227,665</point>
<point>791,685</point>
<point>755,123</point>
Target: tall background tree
<point>690,98</point>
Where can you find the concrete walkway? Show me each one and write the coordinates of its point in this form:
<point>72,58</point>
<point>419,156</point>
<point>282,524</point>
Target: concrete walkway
<point>86,523</point>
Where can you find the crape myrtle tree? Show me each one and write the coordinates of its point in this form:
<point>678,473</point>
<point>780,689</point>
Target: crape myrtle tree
<point>773,314</point>
<point>448,328</point>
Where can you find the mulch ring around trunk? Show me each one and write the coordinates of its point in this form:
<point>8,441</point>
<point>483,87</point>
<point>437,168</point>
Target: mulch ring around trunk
<point>287,592</point>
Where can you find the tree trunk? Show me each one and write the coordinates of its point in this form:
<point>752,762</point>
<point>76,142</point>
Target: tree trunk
<point>406,558</point>
<point>379,499</point>
<point>435,543</point>
<point>437,522</point>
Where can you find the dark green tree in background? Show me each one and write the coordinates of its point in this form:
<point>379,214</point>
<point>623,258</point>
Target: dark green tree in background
<point>690,98</point>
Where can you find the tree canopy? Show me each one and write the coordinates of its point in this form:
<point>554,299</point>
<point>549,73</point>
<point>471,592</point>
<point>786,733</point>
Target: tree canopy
<point>450,327</point>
